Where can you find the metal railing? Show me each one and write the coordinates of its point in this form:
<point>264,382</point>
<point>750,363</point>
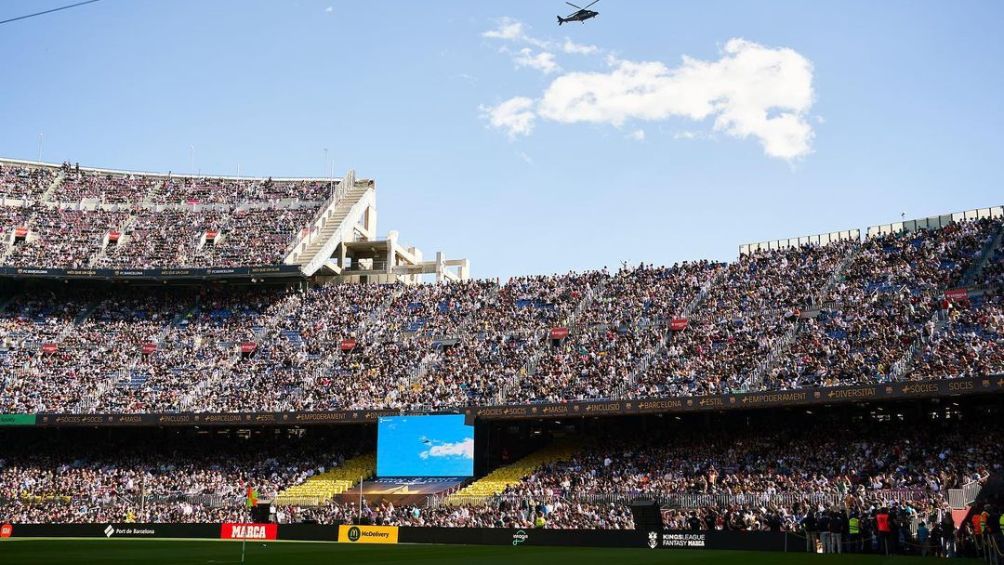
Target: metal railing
<point>204,500</point>
<point>959,498</point>
<point>681,500</point>
<point>934,222</point>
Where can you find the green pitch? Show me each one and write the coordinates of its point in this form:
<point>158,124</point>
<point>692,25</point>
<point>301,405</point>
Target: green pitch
<point>182,552</point>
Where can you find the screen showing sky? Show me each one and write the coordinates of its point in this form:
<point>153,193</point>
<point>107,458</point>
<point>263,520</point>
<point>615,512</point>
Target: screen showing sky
<point>425,446</point>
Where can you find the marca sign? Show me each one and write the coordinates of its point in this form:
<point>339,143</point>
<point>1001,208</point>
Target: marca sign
<point>248,531</point>
<point>6,531</point>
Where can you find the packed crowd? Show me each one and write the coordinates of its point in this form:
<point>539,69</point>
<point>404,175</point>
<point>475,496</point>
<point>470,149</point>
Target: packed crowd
<point>887,300</point>
<point>800,317</point>
<point>736,465</point>
<point>553,513</point>
<point>734,478</point>
<point>135,188</point>
<point>14,221</point>
<point>617,329</point>
<point>192,190</point>
<point>730,477</point>
<point>121,220</point>
<point>107,188</point>
<point>755,305</point>
<point>71,237</point>
<point>21,182</point>
<point>179,478</point>
<point>63,237</point>
<point>968,340</point>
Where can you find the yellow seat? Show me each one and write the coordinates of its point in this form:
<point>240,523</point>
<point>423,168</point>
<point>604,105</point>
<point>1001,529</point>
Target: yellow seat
<point>497,481</point>
<point>322,487</point>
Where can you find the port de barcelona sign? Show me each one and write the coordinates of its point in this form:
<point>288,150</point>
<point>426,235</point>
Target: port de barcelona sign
<point>777,399</point>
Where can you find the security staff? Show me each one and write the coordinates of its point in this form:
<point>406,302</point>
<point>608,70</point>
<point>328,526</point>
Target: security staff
<point>883,523</point>
<point>994,528</point>
<point>853,533</point>
<point>999,539</point>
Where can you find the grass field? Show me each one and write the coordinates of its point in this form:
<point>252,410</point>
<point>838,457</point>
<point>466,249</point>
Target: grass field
<point>144,552</point>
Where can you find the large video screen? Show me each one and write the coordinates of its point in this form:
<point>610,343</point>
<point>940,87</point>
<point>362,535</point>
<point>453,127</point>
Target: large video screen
<point>425,446</point>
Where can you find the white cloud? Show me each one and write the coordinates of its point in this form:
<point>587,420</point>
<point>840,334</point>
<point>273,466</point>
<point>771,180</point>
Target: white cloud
<point>463,449</point>
<point>751,91</point>
<point>329,9</point>
<point>543,61</point>
<point>637,135</point>
<point>514,31</point>
<point>526,158</point>
<point>573,48</point>
<point>515,116</point>
<point>507,29</point>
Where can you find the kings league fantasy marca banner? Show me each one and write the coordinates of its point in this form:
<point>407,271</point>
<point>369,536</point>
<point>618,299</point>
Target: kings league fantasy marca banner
<point>139,274</point>
<point>834,395</point>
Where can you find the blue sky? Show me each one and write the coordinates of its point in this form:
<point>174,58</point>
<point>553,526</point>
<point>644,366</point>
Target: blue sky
<point>903,113</point>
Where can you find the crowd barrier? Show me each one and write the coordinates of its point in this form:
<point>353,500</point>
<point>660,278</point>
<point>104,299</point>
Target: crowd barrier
<point>755,541</point>
<point>682,500</point>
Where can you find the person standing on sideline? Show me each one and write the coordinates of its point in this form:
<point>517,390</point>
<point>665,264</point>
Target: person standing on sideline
<point>837,529</point>
<point>948,534</point>
<point>853,533</point>
<point>823,524</point>
<point>923,536</point>
<point>883,525</point>
<point>809,527</point>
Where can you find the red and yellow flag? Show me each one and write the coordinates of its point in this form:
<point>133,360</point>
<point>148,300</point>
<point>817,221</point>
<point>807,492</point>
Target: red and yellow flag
<point>252,499</point>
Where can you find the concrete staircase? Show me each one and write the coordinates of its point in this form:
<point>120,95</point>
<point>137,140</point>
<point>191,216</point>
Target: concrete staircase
<point>123,229</point>
<point>974,270</point>
<point>333,225</point>
<point>52,187</point>
<point>905,363</point>
<point>691,307</point>
<point>417,373</point>
<point>327,363</point>
<point>541,345</point>
<point>782,345</point>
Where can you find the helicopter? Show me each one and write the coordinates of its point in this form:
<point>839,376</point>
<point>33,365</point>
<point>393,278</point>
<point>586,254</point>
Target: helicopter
<point>580,14</point>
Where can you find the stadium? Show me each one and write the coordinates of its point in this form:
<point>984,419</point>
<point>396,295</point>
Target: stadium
<point>203,368</point>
